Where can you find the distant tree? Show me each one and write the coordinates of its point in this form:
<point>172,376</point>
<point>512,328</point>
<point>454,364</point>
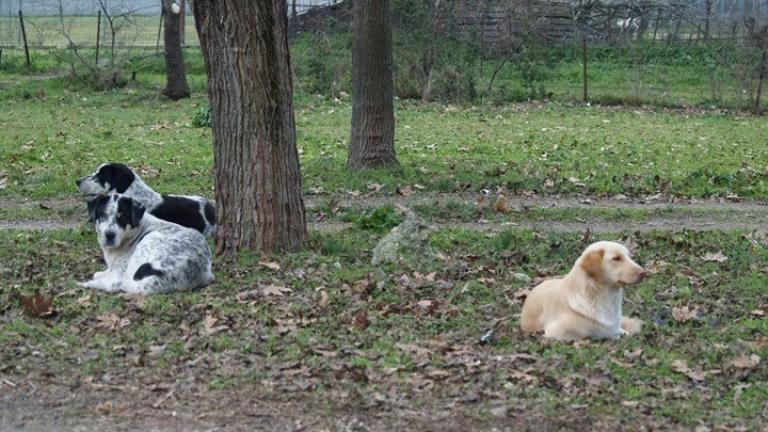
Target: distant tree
<point>256,163</point>
<point>373,116</point>
<point>176,77</point>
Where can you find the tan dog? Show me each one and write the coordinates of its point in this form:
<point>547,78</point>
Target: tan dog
<point>586,303</point>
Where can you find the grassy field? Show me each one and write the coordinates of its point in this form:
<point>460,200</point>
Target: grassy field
<point>328,323</point>
<point>52,133</point>
<point>323,333</point>
<point>138,31</point>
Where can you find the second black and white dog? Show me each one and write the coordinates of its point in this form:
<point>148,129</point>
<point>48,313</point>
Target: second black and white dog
<point>188,210</point>
<point>144,254</point>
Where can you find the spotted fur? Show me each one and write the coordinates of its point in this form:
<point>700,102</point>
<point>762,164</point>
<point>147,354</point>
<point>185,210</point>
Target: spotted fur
<point>144,254</point>
<point>187,210</point>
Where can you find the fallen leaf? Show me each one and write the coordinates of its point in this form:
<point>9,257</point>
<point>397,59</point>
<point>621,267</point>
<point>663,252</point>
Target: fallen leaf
<point>360,320</point>
<point>745,361</point>
<point>34,306</point>
<point>438,374</point>
<point>404,191</point>
<point>84,300</point>
<point>621,363</point>
<point>270,265</point>
<point>522,293</point>
<point>375,187</point>
<point>104,407</point>
<point>684,314</point>
<point>326,353</point>
<point>275,290</point>
<point>322,303</point>
<point>682,367</point>
<point>500,206</point>
<point>247,296</point>
<point>714,256</point>
<point>482,204</point>
<point>210,327</point>
<point>111,321</point>
<point>427,306</point>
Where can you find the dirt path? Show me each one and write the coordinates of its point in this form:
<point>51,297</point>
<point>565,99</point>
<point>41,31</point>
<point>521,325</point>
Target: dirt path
<point>64,213</point>
<point>514,201</point>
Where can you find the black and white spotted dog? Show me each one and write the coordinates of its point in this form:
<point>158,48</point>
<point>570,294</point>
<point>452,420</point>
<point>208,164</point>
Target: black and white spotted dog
<point>144,254</point>
<point>188,210</point>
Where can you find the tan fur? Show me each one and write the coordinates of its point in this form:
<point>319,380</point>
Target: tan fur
<point>585,303</point>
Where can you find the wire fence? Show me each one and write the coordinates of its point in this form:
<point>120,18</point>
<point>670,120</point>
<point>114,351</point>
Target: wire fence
<point>669,52</point>
<point>134,23</point>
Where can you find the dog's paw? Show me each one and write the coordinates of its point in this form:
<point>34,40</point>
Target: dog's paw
<point>93,284</point>
<point>100,284</point>
<point>101,274</point>
<point>630,326</point>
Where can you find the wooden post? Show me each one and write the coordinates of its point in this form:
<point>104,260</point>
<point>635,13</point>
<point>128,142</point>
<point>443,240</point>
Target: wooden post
<point>760,78</point>
<point>160,30</point>
<point>584,58</point>
<point>98,37</point>
<point>24,36</point>
<point>182,17</point>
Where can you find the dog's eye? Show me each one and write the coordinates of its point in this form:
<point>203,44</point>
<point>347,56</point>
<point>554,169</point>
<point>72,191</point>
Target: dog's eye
<point>617,258</point>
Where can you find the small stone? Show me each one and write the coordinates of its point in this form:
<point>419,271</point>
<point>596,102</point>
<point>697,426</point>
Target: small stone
<point>500,411</point>
<point>521,277</point>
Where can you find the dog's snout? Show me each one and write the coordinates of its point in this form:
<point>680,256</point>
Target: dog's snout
<point>109,237</point>
<point>643,273</point>
<point>78,181</point>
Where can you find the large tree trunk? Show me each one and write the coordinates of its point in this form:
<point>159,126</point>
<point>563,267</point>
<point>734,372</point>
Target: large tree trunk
<point>373,112</point>
<point>176,77</point>
<point>258,182</point>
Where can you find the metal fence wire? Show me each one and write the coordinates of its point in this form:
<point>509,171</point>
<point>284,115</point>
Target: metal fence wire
<point>134,23</point>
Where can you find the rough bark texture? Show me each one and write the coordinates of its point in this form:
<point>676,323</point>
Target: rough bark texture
<point>176,77</point>
<point>258,183</point>
<point>373,116</point>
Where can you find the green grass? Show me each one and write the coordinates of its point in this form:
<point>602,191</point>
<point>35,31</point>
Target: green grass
<point>140,31</point>
<point>51,133</point>
<point>630,379</point>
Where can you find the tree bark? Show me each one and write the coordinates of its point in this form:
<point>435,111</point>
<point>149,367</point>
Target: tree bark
<point>373,113</point>
<point>256,163</point>
<point>176,77</point>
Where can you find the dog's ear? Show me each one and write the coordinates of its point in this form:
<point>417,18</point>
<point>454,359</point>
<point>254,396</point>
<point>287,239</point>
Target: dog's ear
<point>92,206</point>
<point>137,212</point>
<point>592,263</point>
<point>117,175</point>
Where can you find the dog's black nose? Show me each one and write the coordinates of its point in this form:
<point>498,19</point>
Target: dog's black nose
<point>109,237</point>
<point>78,181</point>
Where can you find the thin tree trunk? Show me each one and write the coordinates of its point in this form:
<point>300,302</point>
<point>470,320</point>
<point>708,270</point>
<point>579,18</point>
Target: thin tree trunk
<point>176,77</point>
<point>256,163</point>
<point>708,5</point>
<point>373,113</point>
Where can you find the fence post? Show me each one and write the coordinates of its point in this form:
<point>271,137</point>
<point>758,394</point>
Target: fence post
<point>24,36</point>
<point>584,58</point>
<point>160,29</point>
<point>98,38</point>
<point>760,78</point>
